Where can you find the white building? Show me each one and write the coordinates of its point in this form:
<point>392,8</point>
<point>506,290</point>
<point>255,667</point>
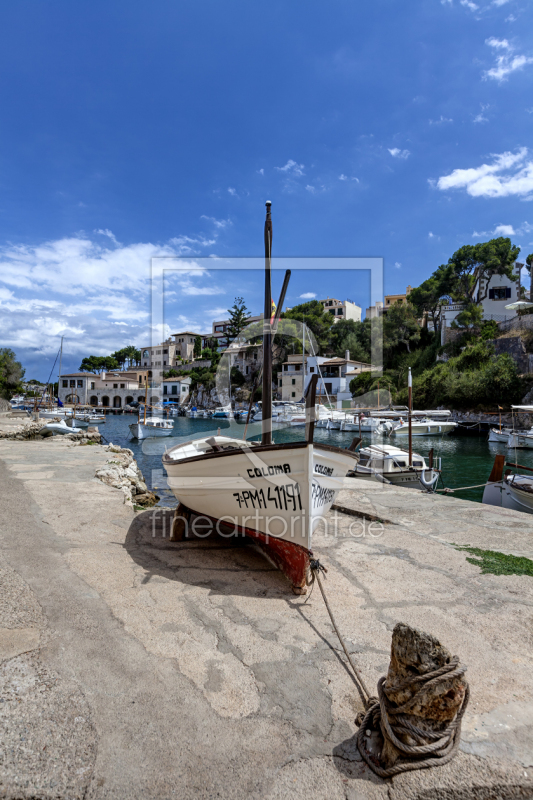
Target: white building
<point>176,390</point>
<point>334,378</point>
<point>173,352</point>
<point>374,311</point>
<point>221,326</point>
<point>107,390</point>
<point>342,309</point>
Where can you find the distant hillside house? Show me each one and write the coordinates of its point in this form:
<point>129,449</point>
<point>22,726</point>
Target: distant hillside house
<point>342,309</point>
<point>334,376</point>
<point>493,295</point>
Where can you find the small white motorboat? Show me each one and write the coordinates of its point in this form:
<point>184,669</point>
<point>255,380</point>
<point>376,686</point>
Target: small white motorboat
<point>151,427</point>
<point>222,412</point>
<point>387,464</point>
<point>424,427</point>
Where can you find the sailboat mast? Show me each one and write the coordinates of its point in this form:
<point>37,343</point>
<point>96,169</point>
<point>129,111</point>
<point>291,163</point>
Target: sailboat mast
<point>266,426</point>
<point>59,373</point>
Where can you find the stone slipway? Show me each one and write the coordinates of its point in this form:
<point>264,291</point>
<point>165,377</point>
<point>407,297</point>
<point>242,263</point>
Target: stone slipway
<point>133,667</point>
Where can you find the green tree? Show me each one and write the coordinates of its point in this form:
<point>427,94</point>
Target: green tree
<point>120,357</point>
<point>476,262</point>
<point>92,364</point>
<point>400,327</point>
<point>318,321</point>
<point>197,347</point>
<point>238,320</point>
<point>469,319</point>
<point>529,267</point>
<point>348,334</point>
<point>11,373</point>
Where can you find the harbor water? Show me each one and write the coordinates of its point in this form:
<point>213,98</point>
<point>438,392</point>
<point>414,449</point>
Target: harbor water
<point>466,461</point>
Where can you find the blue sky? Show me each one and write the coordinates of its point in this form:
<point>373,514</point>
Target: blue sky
<point>129,130</point>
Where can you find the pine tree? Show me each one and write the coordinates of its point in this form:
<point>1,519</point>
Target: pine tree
<point>238,320</point>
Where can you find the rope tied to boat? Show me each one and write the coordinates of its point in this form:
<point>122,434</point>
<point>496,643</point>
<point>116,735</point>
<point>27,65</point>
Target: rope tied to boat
<point>425,748</point>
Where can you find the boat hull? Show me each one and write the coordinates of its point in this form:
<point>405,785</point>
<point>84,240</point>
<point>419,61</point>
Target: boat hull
<point>429,429</point>
<point>505,495</point>
<point>521,441</point>
<point>499,436</point>
<point>277,494</point>
<point>141,431</point>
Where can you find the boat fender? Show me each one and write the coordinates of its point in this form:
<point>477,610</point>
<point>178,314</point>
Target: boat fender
<point>429,485</point>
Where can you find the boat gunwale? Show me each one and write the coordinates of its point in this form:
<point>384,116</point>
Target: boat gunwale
<point>260,448</point>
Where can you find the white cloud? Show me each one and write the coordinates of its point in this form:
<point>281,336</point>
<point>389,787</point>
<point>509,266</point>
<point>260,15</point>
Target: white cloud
<point>504,230</point>
<point>509,174</point>
<point>511,18</point>
<point>218,223</point>
<point>499,2</point>
<point>232,191</point>
<point>397,264</point>
<point>498,44</point>
<point>307,296</point>
<point>95,294</point>
<point>440,121</point>
<point>480,118</point>
<point>109,234</point>
<point>344,177</point>
<point>261,171</point>
<point>506,63</point>
<point>292,168</point>
<point>431,235</point>
<point>397,153</point>
<point>468,4</point>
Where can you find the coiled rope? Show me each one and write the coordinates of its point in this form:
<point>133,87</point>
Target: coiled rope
<point>432,748</point>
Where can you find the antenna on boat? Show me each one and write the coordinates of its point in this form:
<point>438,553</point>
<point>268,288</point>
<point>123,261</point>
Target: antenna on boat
<point>266,425</point>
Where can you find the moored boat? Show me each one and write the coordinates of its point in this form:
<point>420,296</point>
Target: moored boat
<point>387,464</point>
<point>274,493</point>
<point>151,427</point>
<point>512,490</point>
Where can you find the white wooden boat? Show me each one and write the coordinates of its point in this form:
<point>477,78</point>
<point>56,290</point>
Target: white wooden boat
<point>387,464</point>
<point>151,427</point>
<point>274,493</point>
<point>522,440</point>
<point>512,491</point>
<point>76,422</point>
<point>499,435</point>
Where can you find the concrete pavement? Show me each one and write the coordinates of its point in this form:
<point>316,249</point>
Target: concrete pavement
<point>136,667</point>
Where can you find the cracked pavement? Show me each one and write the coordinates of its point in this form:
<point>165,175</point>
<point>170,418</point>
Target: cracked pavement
<point>132,666</point>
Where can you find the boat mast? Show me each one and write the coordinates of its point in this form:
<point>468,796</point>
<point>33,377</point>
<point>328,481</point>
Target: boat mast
<point>145,398</point>
<point>266,425</point>
<point>59,373</point>
<point>410,390</point>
